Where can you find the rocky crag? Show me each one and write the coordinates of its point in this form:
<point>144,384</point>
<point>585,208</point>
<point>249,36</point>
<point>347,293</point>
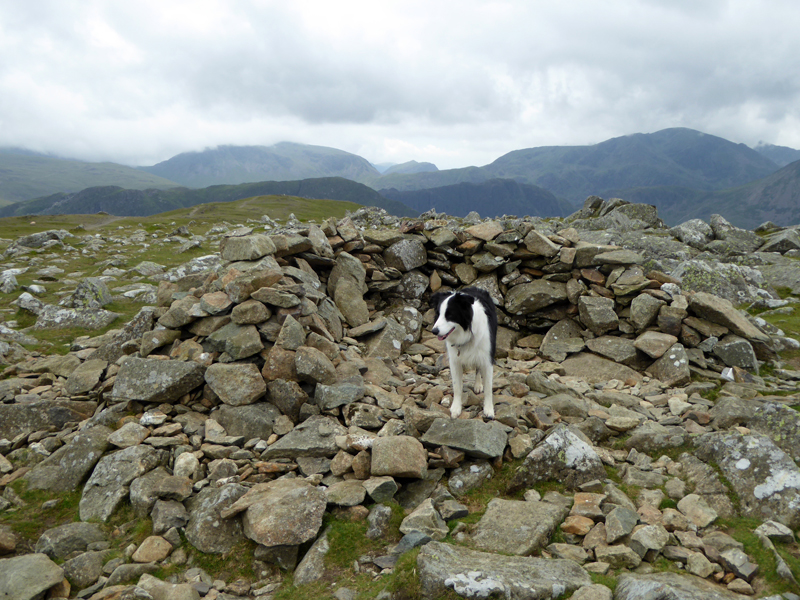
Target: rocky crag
<point>290,375</point>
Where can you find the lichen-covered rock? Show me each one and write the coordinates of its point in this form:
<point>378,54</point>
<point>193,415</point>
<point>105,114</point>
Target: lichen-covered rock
<point>472,574</point>
<point>764,477</point>
<point>150,380</point>
<point>563,456</point>
<point>207,530</point>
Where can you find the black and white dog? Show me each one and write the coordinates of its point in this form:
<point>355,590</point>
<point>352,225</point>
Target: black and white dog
<point>467,322</point>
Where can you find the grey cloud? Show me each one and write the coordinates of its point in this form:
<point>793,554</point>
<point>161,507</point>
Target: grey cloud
<point>456,83</point>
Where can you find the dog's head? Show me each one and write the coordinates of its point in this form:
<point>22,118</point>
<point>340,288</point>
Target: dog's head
<point>453,314</point>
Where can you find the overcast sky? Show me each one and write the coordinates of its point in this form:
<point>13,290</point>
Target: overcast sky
<point>455,83</point>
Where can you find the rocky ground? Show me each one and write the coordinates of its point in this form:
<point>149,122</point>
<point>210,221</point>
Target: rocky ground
<point>270,419</point>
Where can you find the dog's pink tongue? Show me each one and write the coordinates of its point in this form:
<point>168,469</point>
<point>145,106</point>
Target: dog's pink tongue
<point>441,337</point>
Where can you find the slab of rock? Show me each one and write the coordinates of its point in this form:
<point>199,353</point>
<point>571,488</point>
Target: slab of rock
<point>313,366</point>
<point>250,421</point>
<point>316,436</point>
<point>518,527</point>
<point>284,512</point>
<point>49,316</point>
<point>562,456</point>
<point>339,394</point>
<point>61,541</point>
<point>85,569</point>
<point>27,577</point>
<point>405,255</point>
<point>736,351</point>
<point>161,590</point>
<point>475,438</point>
<point>288,397</point>
<point>721,311</point>
<point>312,567</point>
<point>425,520</point>
<point>248,247</point>
<point>620,350</point>
<point>85,377</point>
<point>654,343</point>
<point>151,380</point>
<point>471,574</point>
<point>236,384</point>
<point>632,586</point>
<point>67,468</point>
<point>598,314</point>
<point>596,369</point>
<point>346,493</point>
<point>778,422</point>
<point>108,484</point>
<point>207,530</point>
<point>672,369</point>
<point>399,456</point>
<point>27,418</point>
<point>63,366</point>
<point>765,478</point>
<point>388,342</point>
<point>530,297</point>
<point>130,434</point>
<point>238,341</point>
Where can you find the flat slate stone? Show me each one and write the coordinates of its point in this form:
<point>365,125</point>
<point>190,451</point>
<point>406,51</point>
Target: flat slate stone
<point>518,527</point>
<point>316,436</point>
<point>66,468</point>
<point>61,541</point>
<point>471,574</point>
<point>670,585</point>
<point>207,530</point>
<point>108,484</point>
<point>26,577</point>
<point>27,418</point>
<point>152,380</point>
<point>474,437</point>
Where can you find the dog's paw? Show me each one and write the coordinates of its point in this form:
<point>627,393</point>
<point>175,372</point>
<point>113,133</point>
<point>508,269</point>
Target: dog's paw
<point>478,387</point>
<point>489,413</point>
<point>455,411</point>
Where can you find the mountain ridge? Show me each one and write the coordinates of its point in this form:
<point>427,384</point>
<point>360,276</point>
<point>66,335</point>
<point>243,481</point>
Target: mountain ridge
<point>127,202</point>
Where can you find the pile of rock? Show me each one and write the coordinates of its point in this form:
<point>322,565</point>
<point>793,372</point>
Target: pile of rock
<point>297,377</point>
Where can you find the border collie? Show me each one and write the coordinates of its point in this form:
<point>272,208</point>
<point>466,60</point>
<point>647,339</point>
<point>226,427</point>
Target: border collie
<point>467,321</point>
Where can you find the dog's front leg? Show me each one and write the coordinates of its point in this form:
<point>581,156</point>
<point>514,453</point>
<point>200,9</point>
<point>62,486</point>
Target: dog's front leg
<point>488,401</point>
<point>457,374</point>
<point>478,387</point>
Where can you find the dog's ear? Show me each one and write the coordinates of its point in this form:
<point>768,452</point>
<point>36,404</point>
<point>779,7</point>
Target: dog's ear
<point>437,299</point>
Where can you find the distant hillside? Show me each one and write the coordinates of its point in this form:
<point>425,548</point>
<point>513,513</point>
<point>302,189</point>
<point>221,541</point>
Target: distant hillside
<point>25,175</point>
<point>780,155</point>
<point>411,166</point>
<point>125,202</point>
<point>671,157</point>
<point>774,198</point>
<point>491,198</point>
<point>242,164</point>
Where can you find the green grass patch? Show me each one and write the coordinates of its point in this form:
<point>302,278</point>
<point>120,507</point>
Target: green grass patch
<point>609,580</point>
<point>478,499</point>
<point>31,520</point>
<point>236,563</point>
<point>667,503</point>
<point>348,540</point>
<point>741,529</point>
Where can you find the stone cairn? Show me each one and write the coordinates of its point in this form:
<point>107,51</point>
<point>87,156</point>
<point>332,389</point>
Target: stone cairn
<point>297,377</point>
